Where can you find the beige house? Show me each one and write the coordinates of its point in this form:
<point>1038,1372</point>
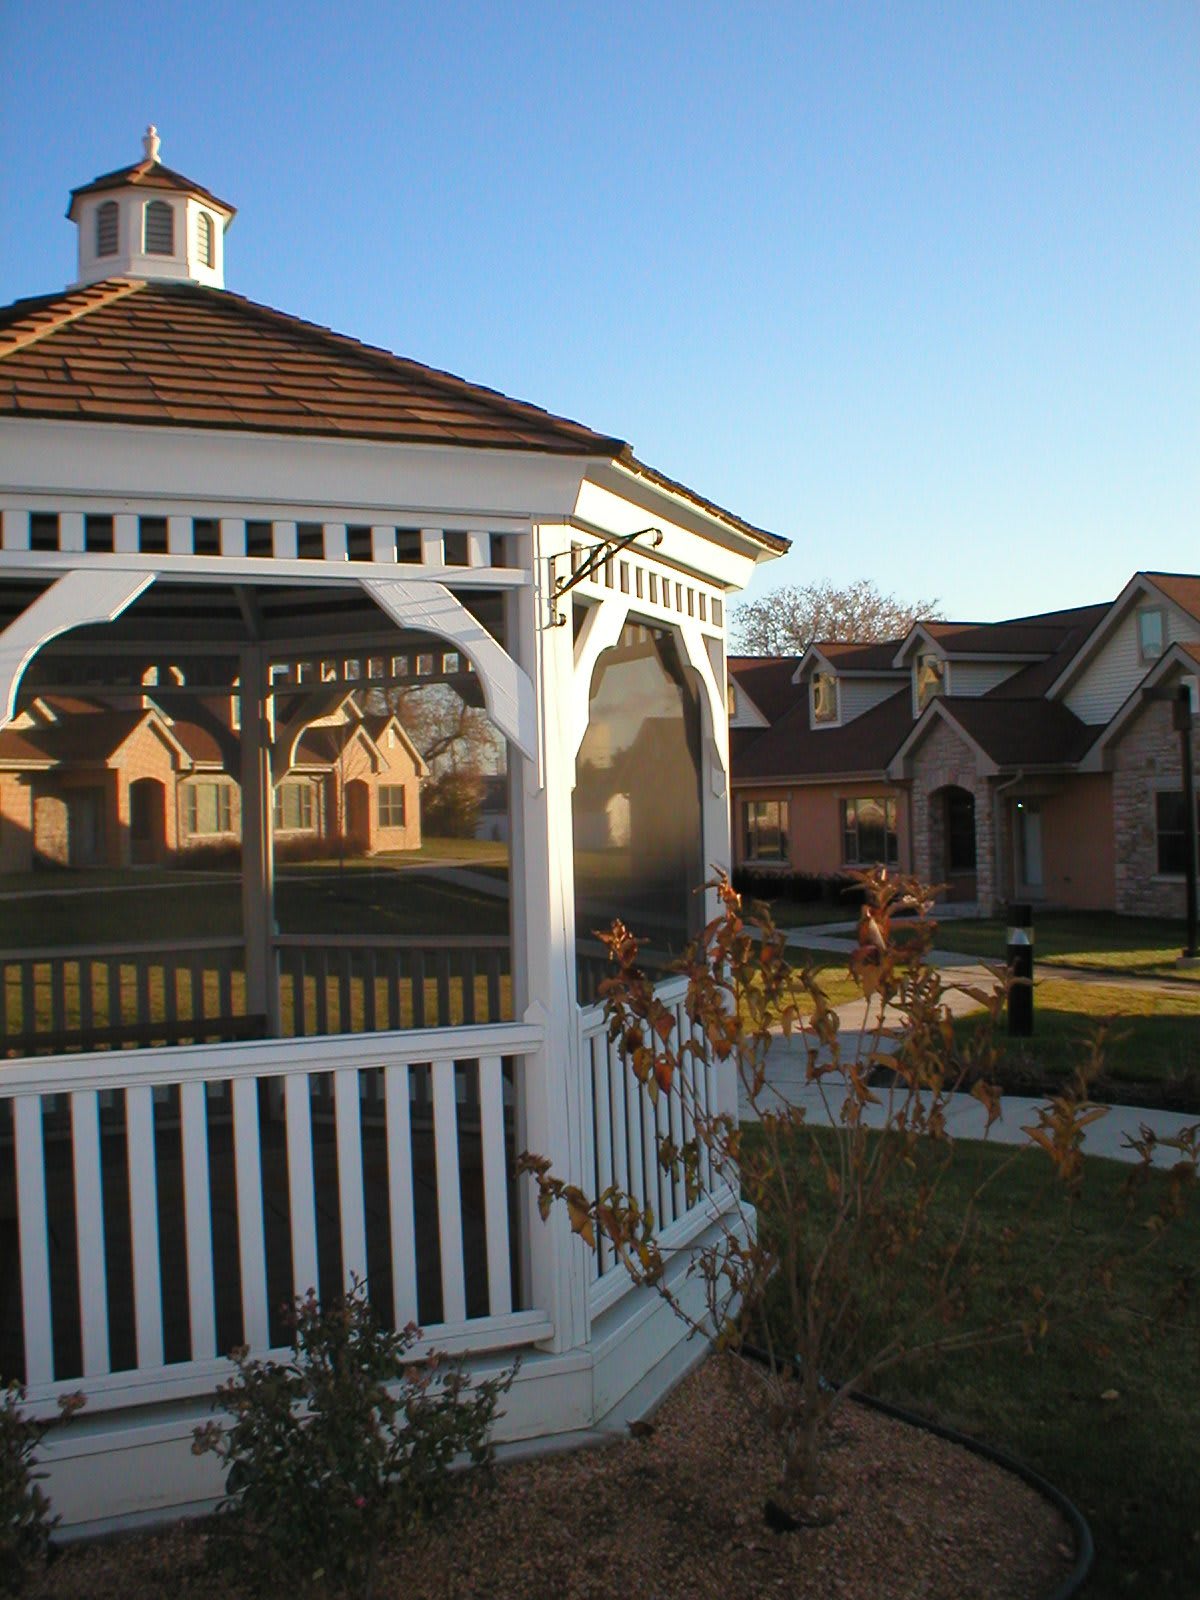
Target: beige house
<point>86,784</point>
<point>1035,759</point>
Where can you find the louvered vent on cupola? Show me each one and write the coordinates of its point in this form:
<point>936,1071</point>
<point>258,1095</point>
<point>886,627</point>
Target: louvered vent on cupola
<point>160,229</point>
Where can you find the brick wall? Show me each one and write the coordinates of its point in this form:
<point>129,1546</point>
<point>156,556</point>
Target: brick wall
<point>942,761</point>
<point>1146,760</point>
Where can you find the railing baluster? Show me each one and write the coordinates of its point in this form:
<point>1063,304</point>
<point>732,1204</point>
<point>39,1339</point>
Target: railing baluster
<point>198,1012</point>
<point>89,1232</point>
<point>144,1013</point>
<point>495,1184</point>
<point>87,1018</point>
<point>252,1253</point>
<point>650,1167</point>
<point>418,988</point>
<point>302,1204</point>
<point>598,1088</point>
<point>369,1010</point>
<point>28,1006</point>
<point>441,962</point>
<point>321,964</point>
<point>34,1238</point>
<point>58,997</point>
<point>468,986</point>
<point>197,1219</point>
<point>224,965</point>
<point>345,992</point>
<point>143,1218</point>
<point>445,1128</point>
<point>171,994</point>
<point>675,1111</point>
<point>618,1092</point>
<point>400,1195</point>
<point>350,1175</point>
<point>492,961</point>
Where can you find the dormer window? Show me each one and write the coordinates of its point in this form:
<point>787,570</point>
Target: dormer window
<point>931,679</point>
<point>824,697</point>
<point>205,240</point>
<point>106,229</point>
<point>1152,633</point>
<point>731,700</point>
<point>159,229</point>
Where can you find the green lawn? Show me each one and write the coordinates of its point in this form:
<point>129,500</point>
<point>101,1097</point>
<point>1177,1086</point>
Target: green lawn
<point>1130,1462</point>
<point>1102,942</point>
<point>1153,1037</point>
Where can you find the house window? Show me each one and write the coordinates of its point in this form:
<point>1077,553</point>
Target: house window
<point>391,805</point>
<point>159,229</point>
<point>208,808</point>
<point>1152,633</point>
<point>731,700</point>
<point>294,809</point>
<point>824,697</point>
<point>931,679</point>
<point>869,832</point>
<point>765,831</point>
<point>106,229</point>
<point>205,245</point>
<point>1172,832</point>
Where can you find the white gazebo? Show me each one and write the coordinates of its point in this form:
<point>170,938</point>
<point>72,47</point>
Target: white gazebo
<point>263,1028</point>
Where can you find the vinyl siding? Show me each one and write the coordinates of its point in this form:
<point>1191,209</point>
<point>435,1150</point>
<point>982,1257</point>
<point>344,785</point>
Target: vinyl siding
<point>977,677</point>
<point>856,695</point>
<point>1104,686</point>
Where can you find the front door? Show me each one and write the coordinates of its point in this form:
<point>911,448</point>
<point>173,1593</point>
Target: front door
<point>85,827</point>
<point>1029,848</point>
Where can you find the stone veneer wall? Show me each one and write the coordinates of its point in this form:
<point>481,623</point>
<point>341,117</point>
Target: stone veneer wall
<point>941,761</point>
<point>1146,760</point>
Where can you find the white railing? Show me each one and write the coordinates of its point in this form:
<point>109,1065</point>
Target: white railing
<point>178,1173</point>
<point>622,1129</point>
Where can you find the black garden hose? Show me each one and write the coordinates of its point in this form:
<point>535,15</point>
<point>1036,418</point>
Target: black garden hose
<point>1085,1549</point>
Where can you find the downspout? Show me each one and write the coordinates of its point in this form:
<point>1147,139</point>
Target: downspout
<point>1000,788</point>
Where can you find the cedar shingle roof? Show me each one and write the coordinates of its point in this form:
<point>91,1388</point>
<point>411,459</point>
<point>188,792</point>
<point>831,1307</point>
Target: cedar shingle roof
<point>848,657</point>
<point>179,354</point>
<point>148,174</point>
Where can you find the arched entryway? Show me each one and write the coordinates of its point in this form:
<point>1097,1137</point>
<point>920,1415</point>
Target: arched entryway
<point>957,807</point>
<point>147,821</point>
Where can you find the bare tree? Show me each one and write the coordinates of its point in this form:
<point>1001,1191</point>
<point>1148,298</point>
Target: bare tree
<point>787,621</point>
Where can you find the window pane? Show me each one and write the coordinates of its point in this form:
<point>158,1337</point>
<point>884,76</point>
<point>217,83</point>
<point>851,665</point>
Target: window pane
<point>636,808</point>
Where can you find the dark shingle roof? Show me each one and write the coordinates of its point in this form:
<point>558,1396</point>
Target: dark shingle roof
<point>1036,733</point>
<point>793,749</point>
<point>768,682</point>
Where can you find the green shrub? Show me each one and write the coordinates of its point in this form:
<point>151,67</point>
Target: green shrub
<point>346,1445</point>
<point>25,1520</point>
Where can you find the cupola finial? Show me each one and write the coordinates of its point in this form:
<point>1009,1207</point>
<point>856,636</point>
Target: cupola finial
<point>151,143</point>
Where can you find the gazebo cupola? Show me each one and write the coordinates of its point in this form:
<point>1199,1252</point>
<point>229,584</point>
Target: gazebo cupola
<point>147,221</point>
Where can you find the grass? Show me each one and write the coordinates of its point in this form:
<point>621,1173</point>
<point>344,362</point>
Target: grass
<point>1128,1462</point>
<point>1153,1037</point>
<point>1101,943</point>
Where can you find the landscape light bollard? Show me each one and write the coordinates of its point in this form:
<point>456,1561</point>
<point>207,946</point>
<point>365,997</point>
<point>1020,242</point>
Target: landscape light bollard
<point>1020,965</point>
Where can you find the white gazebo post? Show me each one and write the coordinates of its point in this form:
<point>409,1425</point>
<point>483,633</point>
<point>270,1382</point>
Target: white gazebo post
<point>543,891</point>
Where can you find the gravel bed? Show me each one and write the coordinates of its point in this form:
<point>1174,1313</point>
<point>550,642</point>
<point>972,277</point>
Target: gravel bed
<point>677,1515</point>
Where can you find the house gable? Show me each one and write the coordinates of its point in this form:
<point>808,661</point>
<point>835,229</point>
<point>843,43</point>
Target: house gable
<point>1109,664</point>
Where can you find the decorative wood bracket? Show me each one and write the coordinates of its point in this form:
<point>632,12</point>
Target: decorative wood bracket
<point>506,688</point>
<point>78,598</point>
<point>594,561</point>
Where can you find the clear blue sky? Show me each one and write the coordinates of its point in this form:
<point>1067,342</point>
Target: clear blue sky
<point>916,285</point>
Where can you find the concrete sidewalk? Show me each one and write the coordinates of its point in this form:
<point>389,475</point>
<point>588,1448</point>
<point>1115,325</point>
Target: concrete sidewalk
<point>787,1070</point>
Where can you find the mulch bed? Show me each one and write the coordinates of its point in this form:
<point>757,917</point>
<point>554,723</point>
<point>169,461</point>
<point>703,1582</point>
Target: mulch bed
<point>678,1513</point>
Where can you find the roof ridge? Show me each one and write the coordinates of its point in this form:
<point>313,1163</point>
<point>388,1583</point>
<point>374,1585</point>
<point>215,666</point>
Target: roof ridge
<point>92,297</point>
<point>378,356</point>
